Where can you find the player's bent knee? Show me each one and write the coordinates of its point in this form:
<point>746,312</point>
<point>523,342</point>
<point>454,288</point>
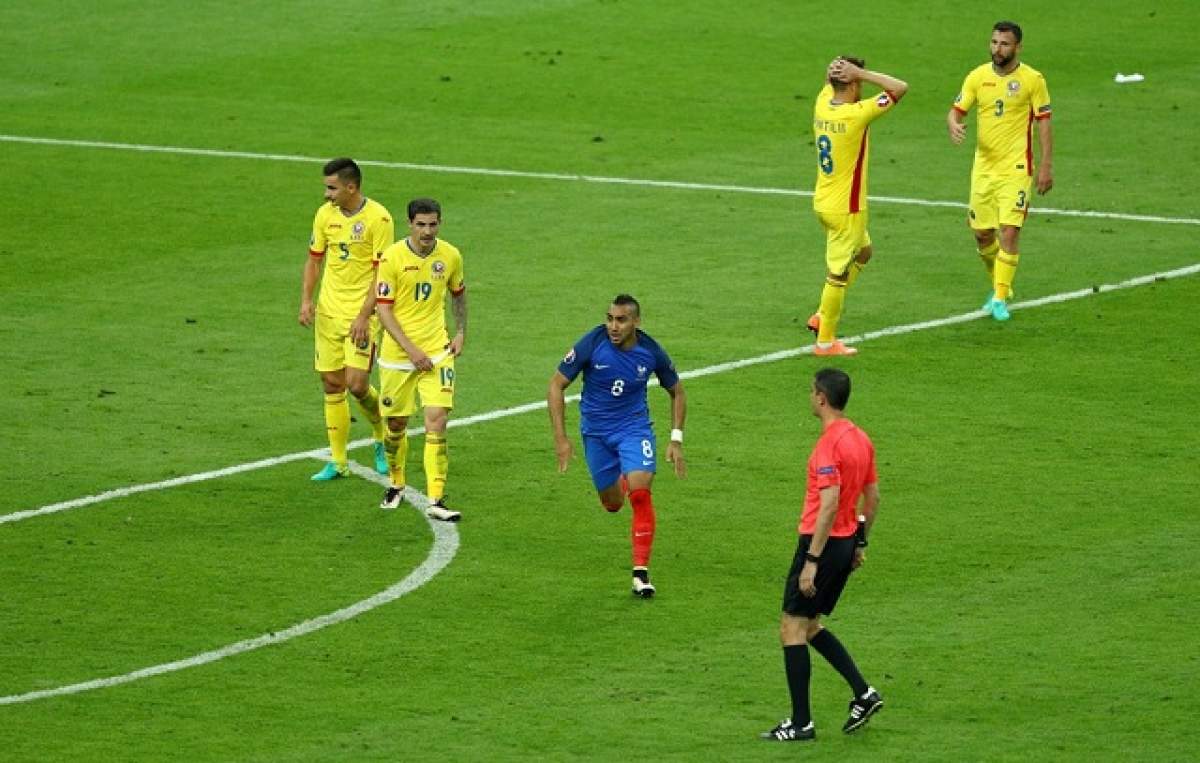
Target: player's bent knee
<point>612,505</point>
<point>397,424</point>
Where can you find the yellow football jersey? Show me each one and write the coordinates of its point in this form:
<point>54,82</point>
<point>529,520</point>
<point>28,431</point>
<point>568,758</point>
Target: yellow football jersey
<point>416,288</point>
<point>350,245</point>
<point>1006,105</point>
<point>840,137</point>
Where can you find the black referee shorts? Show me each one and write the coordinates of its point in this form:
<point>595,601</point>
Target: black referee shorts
<point>832,573</point>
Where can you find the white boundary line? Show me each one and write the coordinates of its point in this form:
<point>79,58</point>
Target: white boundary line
<point>446,539</point>
<point>450,169</point>
<point>445,546</point>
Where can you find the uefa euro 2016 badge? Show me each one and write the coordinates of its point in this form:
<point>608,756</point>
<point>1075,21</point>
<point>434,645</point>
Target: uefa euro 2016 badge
<point>383,289</point>
<point>357,230</point>
<point>569,358</point>
<point>1014,87</point>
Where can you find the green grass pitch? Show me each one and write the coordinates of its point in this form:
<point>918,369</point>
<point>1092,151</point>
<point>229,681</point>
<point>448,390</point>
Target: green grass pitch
<point>1030,591</point>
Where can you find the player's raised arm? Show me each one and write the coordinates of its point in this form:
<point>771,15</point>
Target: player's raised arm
<point>556,403</point>
<point>846,71</point>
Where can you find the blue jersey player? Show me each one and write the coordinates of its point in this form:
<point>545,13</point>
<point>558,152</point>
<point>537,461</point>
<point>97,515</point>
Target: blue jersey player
<point>617,361</point>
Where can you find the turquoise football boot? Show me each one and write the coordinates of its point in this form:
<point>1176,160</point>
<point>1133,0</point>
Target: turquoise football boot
<point>331,471</point>
<point>381,464</point>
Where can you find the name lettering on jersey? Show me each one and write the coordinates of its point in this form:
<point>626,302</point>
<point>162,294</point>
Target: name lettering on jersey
<point>826,126</point>
<point>335,226</point>
<point>411,267</point>
<point>985,84</point>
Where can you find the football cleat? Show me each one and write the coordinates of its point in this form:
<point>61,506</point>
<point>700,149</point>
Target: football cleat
<point>381,464</point>
<point>392,497</point>
<point>438,510</point>
<point>837,348</point>
<point>641,584</point>
<point>861,710</point>
<point>787,732</point>
<point>814,323</point>
<point>331,471</point>
<point>998,308</point>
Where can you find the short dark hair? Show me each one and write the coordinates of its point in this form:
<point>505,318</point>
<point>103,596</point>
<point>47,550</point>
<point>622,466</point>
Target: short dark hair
<point>625,299</point>
<point>424,206</point>
<point>345,168</point>
<point>834,384</point>
<point>1008,26</point>
<point>861,63</point>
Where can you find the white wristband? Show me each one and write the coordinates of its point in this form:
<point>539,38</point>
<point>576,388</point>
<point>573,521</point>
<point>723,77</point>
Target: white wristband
<point>677,436</point>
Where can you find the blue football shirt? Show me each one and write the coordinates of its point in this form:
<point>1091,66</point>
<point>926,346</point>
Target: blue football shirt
<point>614,380</point>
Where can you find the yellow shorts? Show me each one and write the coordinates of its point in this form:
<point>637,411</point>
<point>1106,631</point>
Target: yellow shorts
<point>845,235</point>
<point>336,350</point>
<point>998,200</point>
<point>398,388</point>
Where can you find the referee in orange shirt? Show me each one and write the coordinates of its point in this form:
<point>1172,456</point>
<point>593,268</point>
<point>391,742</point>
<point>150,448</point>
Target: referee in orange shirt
<point>839,509</point>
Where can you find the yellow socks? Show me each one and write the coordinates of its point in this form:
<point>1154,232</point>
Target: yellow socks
<point>437,464</point>
<point>988,255</point>
<point>395,444</point>
<point>856,269</point>
<point>369,404</point>
<point>1006,271</point>
<point>337,426</point>
<point>833,296</point>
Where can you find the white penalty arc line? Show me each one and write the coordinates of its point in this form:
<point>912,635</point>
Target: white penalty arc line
<point>561,176</point>
<point>445,546</point>
<point>446,540</point>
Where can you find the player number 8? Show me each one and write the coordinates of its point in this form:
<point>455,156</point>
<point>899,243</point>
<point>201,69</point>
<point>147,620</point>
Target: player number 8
<point>618,388</point>
<point>824,155</point>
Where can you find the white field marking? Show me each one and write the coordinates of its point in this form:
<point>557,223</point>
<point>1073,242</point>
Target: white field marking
<point>501,413</point>
<point>445,546</point>
<point>445,535</point>
<point>449,169</point>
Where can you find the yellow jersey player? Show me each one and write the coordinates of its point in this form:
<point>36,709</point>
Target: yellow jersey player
<point>1009,96</point>
<point>841,120</point>
<point>349,234</point>
<point>417,357</point>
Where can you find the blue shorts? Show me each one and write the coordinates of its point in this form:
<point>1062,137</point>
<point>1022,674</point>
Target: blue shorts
<point>611,455</point>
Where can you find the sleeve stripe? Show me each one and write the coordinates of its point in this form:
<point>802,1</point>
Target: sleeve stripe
<point>960,111</point>
<point>384,301</point>
<point>312,253</point>
<point>895,98</point>
<point>460,291</point>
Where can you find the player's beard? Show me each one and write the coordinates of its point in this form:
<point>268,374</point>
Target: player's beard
<point>1001,62</point>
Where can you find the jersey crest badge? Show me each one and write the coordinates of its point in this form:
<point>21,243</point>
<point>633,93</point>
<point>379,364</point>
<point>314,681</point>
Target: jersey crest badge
<point>358,229</point>
<point>438,267</point>
<point>641,371</point>
<point>1014,87</point>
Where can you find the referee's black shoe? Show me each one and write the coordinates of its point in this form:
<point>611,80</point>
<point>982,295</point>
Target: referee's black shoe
<point>861,710</point>
<point>787,732</point>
